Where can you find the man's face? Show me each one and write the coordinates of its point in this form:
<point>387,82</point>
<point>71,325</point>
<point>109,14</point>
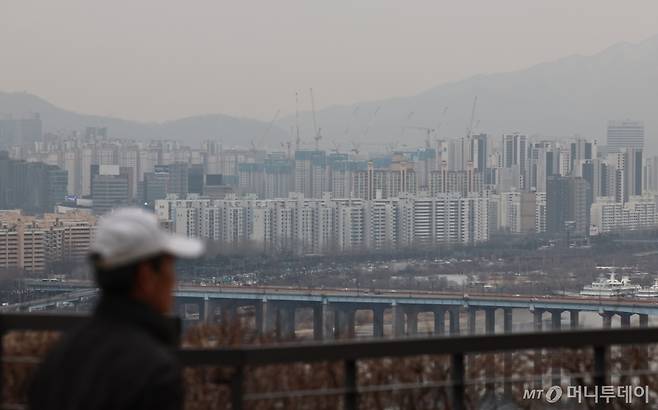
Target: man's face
<point>156,284</point>
<point>166,284</point>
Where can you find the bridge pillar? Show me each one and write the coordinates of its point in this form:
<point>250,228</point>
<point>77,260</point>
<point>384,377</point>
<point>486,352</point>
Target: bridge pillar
<point>201,303</point>
<point>439,321</point>
<point>537,355</point>
<point>607,319</point>
<point>507,355</point>
<point>398,320</point>
<point>574,319</point>
<point>229,313</point>
<point>625,319</point>
<point>287,321</point>
<point>537,320</point>
<point>259,318</point>
<point>556,319</point>
<point>412,320</point>
<point>378,321</point>
<point>351,323</point>
<point>344,319</point>
<point>208,311</point>
<point>644,320</point>
<point>507,320</point>
<point>490,320</point>
<point>320,313</point>
<point>471,320</point>
<point>454,320</point>
<point>269,318</point>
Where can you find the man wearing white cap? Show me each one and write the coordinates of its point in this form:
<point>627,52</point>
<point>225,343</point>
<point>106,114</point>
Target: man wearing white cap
<point>123,358</point>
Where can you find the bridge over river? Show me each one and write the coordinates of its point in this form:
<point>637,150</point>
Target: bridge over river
<point>334,310</point>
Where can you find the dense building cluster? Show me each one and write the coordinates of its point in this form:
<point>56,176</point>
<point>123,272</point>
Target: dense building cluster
<point>328,225</point>
<point>308,200</point>
<point>31,244</point>
<point>32,186</point>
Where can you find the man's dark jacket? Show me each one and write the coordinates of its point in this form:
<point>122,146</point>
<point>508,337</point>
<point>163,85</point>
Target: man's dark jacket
<point>122,359</point>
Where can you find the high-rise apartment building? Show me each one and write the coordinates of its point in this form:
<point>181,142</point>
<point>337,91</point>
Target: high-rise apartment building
<point>110,189</point>
<point>20,131</point>
<point>625,134</point>
<point>638,213</point>
<point>567,205</point>
<point>312,226</point>
<point>30,244</point>
<point>34,187</point>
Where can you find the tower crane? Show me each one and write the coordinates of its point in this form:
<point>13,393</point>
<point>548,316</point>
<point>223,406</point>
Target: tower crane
<point>429,132</point>
<point>317,130</point>
<point>355,112</point>
<point>469,131</point>
<point>356,148</point>
<point>297,139</point>
<point>411,114</point>
<point>372,121</point>
<point>269,126</point>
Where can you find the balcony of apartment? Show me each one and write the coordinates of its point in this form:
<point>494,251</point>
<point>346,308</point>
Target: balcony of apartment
<point>226,367</point>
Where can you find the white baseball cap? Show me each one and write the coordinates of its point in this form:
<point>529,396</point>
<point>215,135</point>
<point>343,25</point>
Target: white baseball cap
<point>129,235</point>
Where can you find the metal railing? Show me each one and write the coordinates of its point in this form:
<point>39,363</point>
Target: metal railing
<point>353,351</point>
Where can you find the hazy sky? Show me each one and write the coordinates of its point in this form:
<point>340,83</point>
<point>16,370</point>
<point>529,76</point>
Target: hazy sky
<point>162,59</point>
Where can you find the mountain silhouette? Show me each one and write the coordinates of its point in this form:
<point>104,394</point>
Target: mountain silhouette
<point>231,131</point>
<point>575,95</point>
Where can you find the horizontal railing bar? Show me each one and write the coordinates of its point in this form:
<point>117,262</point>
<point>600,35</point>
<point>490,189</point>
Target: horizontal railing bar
<point>294,394</point>
<point>370,349</point>
<point>229,357</point>
<point>361,349</point>
<point>368,389</point>
<point>13,406</point>
<point>20,360</point>
<point>40,322</point>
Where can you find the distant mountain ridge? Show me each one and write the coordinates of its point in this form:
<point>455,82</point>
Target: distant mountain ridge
<point>574,95</point>
<point>231,131</point>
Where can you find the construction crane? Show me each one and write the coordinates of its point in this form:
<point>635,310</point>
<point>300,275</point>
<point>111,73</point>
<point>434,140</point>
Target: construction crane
<point>287,145</point>
<point>437,138</point>
<point>443,118</point>
<point>355,112</point>
<point>411,114</point>
<point>336,146</point>
<point>297,139</point>
<point>269,126</point>
<point>317,130</point>
<point>356,148</point>
<point>390,147</point>
<point>469,131</point>
<point>371,121</point>
<point>429,132</point>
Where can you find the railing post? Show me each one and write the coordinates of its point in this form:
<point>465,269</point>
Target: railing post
<point>457,372</point>
<point>507,355</point>
<point>351,393</point>
<point>237,385</point>
<point>600,371</point>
